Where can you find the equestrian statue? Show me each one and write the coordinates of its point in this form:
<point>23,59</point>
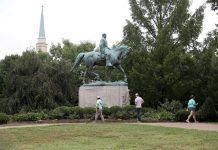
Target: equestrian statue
<point>110,58</point>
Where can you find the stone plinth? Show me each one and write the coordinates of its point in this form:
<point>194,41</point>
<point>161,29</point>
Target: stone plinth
<point>111,94</point>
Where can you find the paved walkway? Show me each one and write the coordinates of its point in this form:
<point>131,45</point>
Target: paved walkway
<point>197,126</point>
<point>34,125</point>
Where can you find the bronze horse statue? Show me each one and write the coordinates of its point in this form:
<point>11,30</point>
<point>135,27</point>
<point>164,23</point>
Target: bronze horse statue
<point>92,58</point>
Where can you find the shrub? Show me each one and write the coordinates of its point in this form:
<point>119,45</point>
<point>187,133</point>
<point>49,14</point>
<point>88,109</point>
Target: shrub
<point>147,110</point>
<point>88,113</point>
<point>181,115</point>
<point>114,111</point>
<point>28,116</point>
<point>62,112</point>
<point>125,112</point>
<point>106,112</point>
<point>172,106</point>
<point>4,118</point>
<point>148,114</point>
<point>76,113</point>
<point>207,111</point>
<point>166,115</point>
<point>157,116</point>
<point>129,112</point>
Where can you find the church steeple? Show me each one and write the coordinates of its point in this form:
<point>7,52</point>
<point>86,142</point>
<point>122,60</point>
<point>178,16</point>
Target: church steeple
<point>41,45</point>
<point>42,28</point>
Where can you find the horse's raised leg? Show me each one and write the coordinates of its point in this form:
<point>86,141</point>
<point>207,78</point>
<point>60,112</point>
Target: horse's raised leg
<point>97,77</point>
<point>84,76</point>
<point>122,70</point>
<point>89,71</point>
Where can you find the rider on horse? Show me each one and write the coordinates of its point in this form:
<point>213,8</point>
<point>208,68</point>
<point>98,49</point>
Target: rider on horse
<point>103,50</point>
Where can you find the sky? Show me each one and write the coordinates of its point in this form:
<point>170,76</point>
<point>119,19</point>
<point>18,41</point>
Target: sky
<point>75,20</point>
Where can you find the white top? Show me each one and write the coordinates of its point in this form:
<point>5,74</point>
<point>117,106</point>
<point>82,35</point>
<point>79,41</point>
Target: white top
<point>99,104</point>
<point>138,102</point>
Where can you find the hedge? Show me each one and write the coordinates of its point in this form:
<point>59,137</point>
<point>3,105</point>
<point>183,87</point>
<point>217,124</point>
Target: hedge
<point>4,118</point>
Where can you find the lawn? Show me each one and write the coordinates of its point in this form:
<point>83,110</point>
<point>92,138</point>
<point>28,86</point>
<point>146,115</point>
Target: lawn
<point>106,136</point>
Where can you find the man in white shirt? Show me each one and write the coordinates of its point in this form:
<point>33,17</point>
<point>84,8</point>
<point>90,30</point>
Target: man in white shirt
<point>138,102</point>
<point>99,106</point>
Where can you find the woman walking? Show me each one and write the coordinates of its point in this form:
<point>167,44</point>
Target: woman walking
<point>191,108</point>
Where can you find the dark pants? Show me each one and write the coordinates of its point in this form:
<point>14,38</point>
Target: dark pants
<point>138,114</point>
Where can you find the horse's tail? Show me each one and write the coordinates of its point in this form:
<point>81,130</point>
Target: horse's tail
<point>78,60</point>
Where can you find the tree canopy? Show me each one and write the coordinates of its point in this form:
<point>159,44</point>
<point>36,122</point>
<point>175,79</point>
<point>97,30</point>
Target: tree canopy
<point>166,62</point>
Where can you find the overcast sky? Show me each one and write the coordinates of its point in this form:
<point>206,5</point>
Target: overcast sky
<point>76,20</point>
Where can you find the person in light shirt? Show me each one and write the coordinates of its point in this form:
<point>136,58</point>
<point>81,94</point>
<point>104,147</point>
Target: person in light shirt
<point>99,106</point>
<point>191,108</point>
<point>138,102</point>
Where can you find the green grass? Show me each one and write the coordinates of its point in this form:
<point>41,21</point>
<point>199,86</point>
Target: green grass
<point>107,136</point>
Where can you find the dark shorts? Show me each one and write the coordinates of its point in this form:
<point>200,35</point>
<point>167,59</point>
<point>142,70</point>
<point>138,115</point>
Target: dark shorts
<point>191,109</point>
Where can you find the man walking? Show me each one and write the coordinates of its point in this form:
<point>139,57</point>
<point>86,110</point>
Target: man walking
<point>138,102</point>
<point>99,109</point>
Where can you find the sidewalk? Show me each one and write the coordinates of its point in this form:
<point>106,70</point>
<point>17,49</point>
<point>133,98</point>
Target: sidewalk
<point>197,126</point>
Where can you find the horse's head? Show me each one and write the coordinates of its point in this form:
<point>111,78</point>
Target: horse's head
<point>124,50</point>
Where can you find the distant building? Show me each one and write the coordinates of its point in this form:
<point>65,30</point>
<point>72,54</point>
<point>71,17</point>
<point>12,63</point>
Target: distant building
<point>41,44</point>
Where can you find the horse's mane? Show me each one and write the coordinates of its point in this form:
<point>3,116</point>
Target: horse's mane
<point>119,47</point>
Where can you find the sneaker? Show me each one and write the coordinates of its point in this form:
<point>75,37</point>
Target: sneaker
<point>187,121</point>
<point>139,121</point>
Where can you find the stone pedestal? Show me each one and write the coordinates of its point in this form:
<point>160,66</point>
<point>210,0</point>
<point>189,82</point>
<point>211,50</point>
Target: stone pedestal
<point>111,94</point>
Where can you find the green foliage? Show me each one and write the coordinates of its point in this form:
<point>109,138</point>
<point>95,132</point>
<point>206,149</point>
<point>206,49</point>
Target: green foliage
<point>62,112</point>
<point>65,112</point>
<point>165,62</point>
<point>181,115</point>
<point>161,65</point>
<point>76,113</point>
<point>172,106</point>
<point>106,112</point>
<point>89,113</point>
<point>36,81</point>
<point>166,115</point>
<point>129,110</point>
<point>69,50</point>
<point>126,112</point>
<point>115,110</point>
<point>29,116</point>
<point>4,118</point>
<point>214,4</point>
<point>148,114</point>
<point>207,111</point>
<point>157,115</point>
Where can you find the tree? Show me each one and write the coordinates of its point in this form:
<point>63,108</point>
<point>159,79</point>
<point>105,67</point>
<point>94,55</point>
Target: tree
<point>214,7</point>
<point>207,111</point>
<point>37,81</point>
<point>69,50</point>
<point>161,35</point>
<point>214,4</point>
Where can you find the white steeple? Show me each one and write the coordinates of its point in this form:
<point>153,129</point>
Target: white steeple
<point>41,45</point>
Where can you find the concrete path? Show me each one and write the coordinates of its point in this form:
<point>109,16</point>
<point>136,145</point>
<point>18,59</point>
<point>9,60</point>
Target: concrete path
<point>197,126</point>
<point>34,125</point>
